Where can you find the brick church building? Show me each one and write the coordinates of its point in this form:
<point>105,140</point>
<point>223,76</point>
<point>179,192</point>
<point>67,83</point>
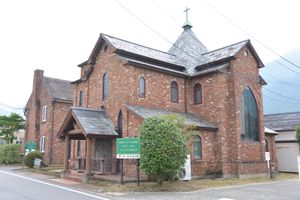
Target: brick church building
<point>122,83</point>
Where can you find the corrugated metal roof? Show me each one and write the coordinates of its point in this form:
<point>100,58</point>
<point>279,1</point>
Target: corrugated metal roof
<point>189,118</point>
<point>282,121</point>
<point>94,122</point>
<point>59,89</point>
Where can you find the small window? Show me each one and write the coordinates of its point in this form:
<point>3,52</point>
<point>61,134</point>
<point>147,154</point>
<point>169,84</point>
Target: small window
<point>44,113</point>
<point>267,146</point>
<point>120,124</point>
<point>142,88</point>
<point>80,98</point>
<point>78,148</point>
<point>197,94</point>
<point>105,87</point>
<point>197,148</point>
<point>105,48</point>
<point>174,92</point>
<point>42,143</point>
<point>246,53</point>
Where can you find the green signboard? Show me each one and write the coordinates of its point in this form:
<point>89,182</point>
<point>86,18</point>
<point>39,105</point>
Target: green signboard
<point>128,148</point>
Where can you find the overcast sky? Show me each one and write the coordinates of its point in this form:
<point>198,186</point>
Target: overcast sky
<point>57,35</point>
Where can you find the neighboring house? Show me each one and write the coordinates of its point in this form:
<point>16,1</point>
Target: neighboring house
<point>287,148</point>
<point>45,110</point>
<point>122,83</point>
<point>20,137</point>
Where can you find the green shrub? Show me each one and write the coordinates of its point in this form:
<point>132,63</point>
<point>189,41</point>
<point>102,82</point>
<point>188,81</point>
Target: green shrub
<point>163,148</point>
<point>298,134</point>
<point>10,154</point>
<point>29,158</point>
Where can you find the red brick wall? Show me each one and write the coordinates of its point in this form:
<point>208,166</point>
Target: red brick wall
<point>221,104</point>
<point>35,127</point>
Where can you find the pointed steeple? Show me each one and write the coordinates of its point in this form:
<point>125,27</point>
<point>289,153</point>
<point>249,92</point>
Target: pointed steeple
<point>188,48</point>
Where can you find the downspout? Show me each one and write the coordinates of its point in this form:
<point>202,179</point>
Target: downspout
<point>52,132</point>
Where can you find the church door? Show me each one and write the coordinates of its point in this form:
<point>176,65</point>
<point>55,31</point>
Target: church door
<point>103,156</point>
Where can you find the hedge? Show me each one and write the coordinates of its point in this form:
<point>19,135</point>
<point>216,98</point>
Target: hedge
<point>10,154</point>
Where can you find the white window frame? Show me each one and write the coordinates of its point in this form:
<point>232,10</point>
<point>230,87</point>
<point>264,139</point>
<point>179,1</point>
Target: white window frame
<point>42,144</point>
<point>44,113</point>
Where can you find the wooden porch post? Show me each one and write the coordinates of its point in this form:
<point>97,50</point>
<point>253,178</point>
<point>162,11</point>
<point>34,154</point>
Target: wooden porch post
<point>67,153</point>
<point>88,155</point>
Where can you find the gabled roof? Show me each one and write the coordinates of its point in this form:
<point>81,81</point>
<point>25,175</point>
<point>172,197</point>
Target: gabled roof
<point>59,89</point>
<point>90,121</point>
<point>282,121</point>
<point>187,54</point>
<point>189,118</point>
<point>270,131</point>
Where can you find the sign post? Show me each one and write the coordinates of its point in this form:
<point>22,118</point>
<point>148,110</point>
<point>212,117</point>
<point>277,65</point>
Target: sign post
<point>129,148</point>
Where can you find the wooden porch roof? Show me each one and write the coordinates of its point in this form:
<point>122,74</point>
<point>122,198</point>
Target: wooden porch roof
<point>81,122</point>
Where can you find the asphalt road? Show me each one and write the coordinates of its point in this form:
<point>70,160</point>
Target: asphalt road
<point>15,185</point>
<point>279,190</point>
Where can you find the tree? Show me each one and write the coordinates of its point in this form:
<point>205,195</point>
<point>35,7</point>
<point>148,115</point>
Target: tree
<point>163,147</point>
<point>298,134</point>
<point>9,125</point>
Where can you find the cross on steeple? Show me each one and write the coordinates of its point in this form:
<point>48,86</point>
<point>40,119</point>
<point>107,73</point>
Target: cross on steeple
<point>187,24</point>
<point>186,13</point>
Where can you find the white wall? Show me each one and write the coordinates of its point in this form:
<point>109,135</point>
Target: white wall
<point>287,156</point>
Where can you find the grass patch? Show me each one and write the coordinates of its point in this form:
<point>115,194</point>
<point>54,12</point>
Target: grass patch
<point>183,186</point>
<point>51,170</point>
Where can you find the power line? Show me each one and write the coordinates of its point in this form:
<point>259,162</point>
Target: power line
<point>244,31</point>
<point>278,94</point>
<point>285,82</point>
<point>287,102</point>
<point>153,30</point>
<point>9,106</point>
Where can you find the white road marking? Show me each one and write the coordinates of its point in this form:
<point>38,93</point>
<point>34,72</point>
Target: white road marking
<point>57,186</point>
<point>225,199</point>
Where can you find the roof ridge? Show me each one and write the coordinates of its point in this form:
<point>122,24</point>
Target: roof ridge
<point>295,112</point>
<point>138,44</point>
<point>226,46</point>
<point>87,109</point>
<point>47,77</point>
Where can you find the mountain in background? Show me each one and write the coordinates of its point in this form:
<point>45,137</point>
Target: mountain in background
<point>282,92</point>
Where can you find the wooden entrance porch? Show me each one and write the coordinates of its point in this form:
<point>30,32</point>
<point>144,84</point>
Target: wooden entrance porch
<point>89,136</point>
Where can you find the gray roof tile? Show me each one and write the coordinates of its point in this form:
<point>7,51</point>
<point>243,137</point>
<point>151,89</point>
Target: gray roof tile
<point>225,52</point>
<point>189,118</point>
<point>94,122</point>
<point>188,50</point>
<point>282,121</point>
<point>59,89</point>
<point>141,50</point>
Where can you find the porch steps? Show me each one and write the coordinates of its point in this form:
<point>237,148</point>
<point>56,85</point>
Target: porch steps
<point>76,176</point>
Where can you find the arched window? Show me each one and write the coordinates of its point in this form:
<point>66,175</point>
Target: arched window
<point>267,146</point>
<point>80,98</point>
<point>142,88</point>
<point>249,116</point>
<point>197,94</point>
<point>105,86</point>
<point>120,124</point>
<point>197,148</point>
<point>174,92</point>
